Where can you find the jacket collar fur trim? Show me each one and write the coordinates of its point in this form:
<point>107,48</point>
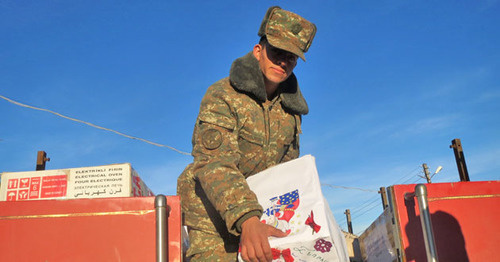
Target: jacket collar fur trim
<point>245,76</point>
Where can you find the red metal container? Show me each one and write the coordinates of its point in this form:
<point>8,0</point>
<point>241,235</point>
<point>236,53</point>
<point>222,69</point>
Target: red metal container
<point>465,220</point>
<point>105,229</point>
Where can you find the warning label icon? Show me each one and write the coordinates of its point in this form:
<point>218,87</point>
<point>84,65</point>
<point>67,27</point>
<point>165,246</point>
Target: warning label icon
<point>11,195</point>
<point>25,183</point>
<point>35,188</point>
<point>13,183</point>
<point>23,194</point>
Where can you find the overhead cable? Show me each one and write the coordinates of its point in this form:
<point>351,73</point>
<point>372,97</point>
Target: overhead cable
<point>365,205</point>
<point>373,206</point>
<point>93,125</point>
<point>410,174</point>
<point>412,178</point>
<point>346,187</point>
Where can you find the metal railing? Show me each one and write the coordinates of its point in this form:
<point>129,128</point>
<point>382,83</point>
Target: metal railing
<point>161,228</point>
<point>425,219</point>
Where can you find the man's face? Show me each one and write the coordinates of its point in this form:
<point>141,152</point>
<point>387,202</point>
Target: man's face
<point>276,64</point>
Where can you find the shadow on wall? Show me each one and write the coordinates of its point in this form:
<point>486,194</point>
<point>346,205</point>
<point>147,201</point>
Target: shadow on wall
<point>448,236</point>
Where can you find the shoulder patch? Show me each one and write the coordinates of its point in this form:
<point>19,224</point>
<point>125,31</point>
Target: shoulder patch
<point>211,139</point>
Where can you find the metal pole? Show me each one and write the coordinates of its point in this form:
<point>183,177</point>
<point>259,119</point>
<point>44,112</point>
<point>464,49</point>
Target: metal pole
<point>384,197</point>
<point>426,172</point>
<point>161,228</point>
<point>349,223</point>
<point>41,158</point>
<point>460,158</point>
<point>425,219</point>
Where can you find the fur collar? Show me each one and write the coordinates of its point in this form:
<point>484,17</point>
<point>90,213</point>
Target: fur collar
<point>245,76</point>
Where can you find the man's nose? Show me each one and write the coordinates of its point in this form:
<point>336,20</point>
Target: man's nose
<point>282,60</point>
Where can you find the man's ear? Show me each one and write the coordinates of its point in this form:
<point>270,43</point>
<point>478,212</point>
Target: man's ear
<point>257,51</point>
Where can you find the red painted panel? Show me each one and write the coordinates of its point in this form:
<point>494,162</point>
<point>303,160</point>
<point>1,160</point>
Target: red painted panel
<point>104,229</point>
<point>464,218</point>
<point>174,229</point>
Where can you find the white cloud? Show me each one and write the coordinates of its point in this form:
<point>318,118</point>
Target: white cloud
<point>450,83</point>
<point>489,96</point>
<point>427,125</point>
<point>483,165</point>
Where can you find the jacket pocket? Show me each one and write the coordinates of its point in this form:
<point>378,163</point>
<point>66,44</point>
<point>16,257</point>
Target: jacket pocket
<point>253,138</point>
<point>251,147</point>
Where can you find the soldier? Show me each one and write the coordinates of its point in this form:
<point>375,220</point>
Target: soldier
<point>247,122</point>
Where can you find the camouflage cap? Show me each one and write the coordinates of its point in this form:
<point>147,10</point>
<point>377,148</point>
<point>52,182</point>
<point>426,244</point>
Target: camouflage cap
<point>288,31</point>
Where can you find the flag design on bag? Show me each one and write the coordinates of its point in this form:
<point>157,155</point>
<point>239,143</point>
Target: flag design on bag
<point>290,202</point>
<point>282,210</point>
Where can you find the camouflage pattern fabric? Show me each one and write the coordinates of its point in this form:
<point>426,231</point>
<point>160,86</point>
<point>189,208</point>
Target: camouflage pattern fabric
<point>238,133</point>
<point>288,31</point>
<point>219,250</point>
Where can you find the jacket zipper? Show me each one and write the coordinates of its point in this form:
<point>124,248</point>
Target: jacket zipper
<point>267,124</point>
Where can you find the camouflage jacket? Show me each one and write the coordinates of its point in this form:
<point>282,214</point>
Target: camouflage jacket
<point>238,133</point>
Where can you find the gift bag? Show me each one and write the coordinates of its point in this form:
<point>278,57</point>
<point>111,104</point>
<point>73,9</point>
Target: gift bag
<point>291,196</point>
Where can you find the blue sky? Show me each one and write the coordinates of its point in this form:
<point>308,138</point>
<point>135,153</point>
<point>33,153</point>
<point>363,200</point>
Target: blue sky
<point>389,84</point>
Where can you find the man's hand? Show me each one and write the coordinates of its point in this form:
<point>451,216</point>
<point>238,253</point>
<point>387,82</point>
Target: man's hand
<point>254,243</point>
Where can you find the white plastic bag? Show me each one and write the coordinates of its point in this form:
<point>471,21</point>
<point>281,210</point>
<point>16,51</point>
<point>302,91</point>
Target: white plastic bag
<point>291,196</point>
